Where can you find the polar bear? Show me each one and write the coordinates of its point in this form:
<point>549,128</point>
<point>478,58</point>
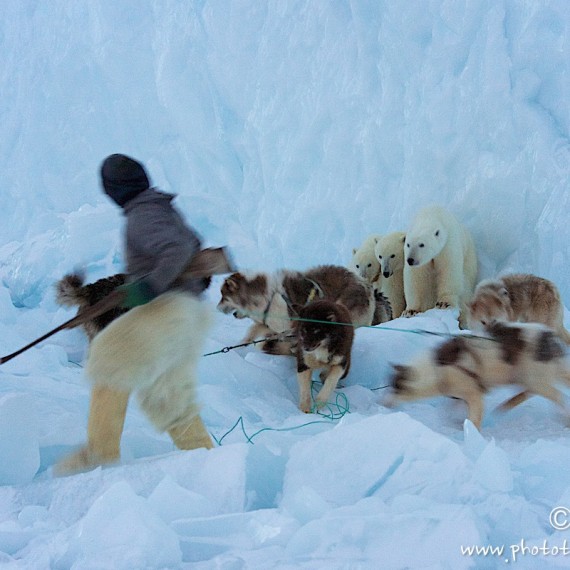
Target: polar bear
<point>441,263</point>
<point>389,251</point>
<point>364,262</point>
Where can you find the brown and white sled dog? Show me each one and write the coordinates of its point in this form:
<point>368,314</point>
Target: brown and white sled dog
<point>526,354</point>
<point>325,345</point>
<point>71,291</point>
<point>268,299</point>
<point>517,297</point>
<point>152,350</point>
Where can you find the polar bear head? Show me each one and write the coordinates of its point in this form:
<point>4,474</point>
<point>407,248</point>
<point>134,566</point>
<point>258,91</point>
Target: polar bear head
<point>364,262</point>
<point>389,251</point>
<point>424,243</point>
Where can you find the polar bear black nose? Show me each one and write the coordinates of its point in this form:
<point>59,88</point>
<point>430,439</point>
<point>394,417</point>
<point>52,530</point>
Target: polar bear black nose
<point>386,274</point>
<point>410,260</point>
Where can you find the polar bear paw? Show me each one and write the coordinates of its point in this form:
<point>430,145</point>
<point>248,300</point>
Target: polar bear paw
<point>410,313</point>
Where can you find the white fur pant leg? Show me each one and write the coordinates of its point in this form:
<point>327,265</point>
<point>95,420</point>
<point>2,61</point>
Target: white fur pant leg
<point>137,348</point>
<point>171,405</point>
<point>154,350</point>
<point>172,397</point>
<point>107,413</point>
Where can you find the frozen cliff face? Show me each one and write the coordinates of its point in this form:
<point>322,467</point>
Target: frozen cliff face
<point>291,130</point>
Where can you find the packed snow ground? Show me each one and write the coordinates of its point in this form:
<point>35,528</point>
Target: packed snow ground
<point>361,486</point>
<point>290,131</point>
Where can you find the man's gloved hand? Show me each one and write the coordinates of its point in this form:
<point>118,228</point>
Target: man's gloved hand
<point>135,294</point>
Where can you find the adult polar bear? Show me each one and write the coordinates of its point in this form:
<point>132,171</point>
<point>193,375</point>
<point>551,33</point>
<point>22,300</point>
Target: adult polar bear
<point>441,263</point>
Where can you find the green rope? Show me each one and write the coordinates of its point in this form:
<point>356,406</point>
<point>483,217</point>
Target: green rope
<point>375,327</point>
<point>381,327</point>
<point>341,403</point>
<point>342,408</point>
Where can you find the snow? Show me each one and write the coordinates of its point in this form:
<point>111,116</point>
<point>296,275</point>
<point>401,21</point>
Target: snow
<point>122,530</point>
<point>290,131</point>
<point>19,442</point>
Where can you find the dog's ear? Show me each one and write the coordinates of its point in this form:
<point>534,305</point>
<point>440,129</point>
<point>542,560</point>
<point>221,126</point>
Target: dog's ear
<point>403,238</point>
<point>315,290</point>
<point>233,282</point>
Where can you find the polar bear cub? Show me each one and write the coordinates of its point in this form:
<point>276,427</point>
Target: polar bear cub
<point>441,262</point>
<point>389,251</point>
<point>364,262</point>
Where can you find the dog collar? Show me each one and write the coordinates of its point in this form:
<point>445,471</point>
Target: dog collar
<point>266,311</point>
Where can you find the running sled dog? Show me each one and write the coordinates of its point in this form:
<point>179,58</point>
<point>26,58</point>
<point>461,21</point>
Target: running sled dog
<point>269,299</point>
<point>529,355</point>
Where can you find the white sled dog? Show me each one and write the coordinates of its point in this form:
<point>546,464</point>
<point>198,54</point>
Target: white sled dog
<point>525,354</point>
<point>268,300</point>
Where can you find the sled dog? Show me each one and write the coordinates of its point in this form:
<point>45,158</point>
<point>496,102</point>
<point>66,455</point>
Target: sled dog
<point>72,291</point>
<point>324,334</point>
<point>530,355</point>
<point>518,297</point>
<point>268,299</point>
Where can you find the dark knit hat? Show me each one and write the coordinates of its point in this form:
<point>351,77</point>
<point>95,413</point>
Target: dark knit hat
<point>123,178</point>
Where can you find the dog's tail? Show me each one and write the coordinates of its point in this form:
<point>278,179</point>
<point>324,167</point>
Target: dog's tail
<point>69,291</point>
